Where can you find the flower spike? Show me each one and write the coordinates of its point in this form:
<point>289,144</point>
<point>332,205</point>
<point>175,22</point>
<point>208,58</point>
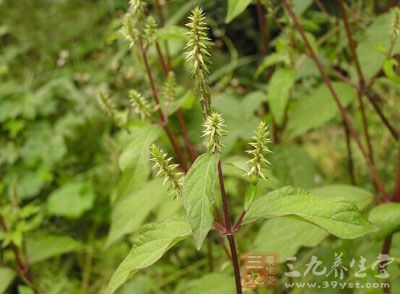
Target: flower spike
<point>213,129</point>
<point>197,53</point>
<point>167,169</point>
<point>260,149</point>
<point>140,105</point>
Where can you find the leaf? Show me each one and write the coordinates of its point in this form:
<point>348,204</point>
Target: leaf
<point>135,160</point>
<point>300,6</point>
<point>360,197</point>
<point>316,109</point>
<point>372,49</point>
<point>292,165</point>
<point>285,236</point>
<point>236,7</point>
<point>71,200</point>
<point>214,283</point>
<point>43,247</point>
<point>136,154</point>
<point>152,242</point>
<point>335,215</point>
<point>387,217</point>
<point>6,278</point>
<point>270,60</point>
<point>198,195</point>
<point>171,32</point>
<point>278,92</point>
<point>239,115</point>
<point>130,212</point>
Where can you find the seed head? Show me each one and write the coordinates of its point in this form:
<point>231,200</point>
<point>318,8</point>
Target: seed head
<point>213,129</point>
<point>150,30</point>
<point>106,104</point>
<point>259,150</point>
<point>197,53</point>
<point>140,105</point>
<point>169,89</point>
<point>167,169</point>
<point>395,25</point>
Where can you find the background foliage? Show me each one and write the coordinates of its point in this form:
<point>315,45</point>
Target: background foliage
<point>76,188</point>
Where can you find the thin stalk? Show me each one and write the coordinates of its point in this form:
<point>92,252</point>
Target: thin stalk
<point>228,228</point>
<point>343,112</point>
<point>163,117</point>
<point>386,250</point>
<point>264,49</point>
<point>189,145</point>
<point>373,99</point>
<point>162,22</point>
<point>350,163</point>
<point>361,79</point>
<point>22,265</point>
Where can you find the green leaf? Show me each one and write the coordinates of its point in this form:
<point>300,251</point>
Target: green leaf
<point>372,49</point>
<point>135,160</point>
<point>278,92</point>
<point>136,154</point>
<point>43,247</point>
<point>285,236</point>
<point>171,32</point>
<point>336,215</point>
<point>360,197</point>
<point>71,200</point>
<point>316,109</point>
<point>214,283</point>
<point>198,195</point>
<point>387,217</point>
<point>292,165</point>
<point>300,6</point>
<point>238,113</point>
<point>130,211</point>
<point>6,277</point>
<point>152,242</point>
<point>236,7</point>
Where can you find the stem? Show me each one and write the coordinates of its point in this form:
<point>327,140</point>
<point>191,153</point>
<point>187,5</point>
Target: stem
<point>373,99</point>
<point>396,189</point>
<point>162,22</point>
<point>228,228</point>
<point>163,117</point>
<point>361,79</point>
<point>345,116</point>
<point>189,145</point>
<point>349,155</point>
<point>264,49</point>
<point>22,265</point>
<point>386,250</point>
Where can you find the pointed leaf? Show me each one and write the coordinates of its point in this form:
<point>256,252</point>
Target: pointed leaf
<point>152,242</point>
<point>316,109</point>
<point>336,215</point>
<point>236,7</point>
<point>130,212</point>
<point>198,195</point>
<point>387,217</point>
<point>278,92</point>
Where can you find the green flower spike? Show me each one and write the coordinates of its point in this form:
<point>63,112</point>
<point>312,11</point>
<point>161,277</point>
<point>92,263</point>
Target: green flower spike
<point>213,129</point>
<point>167,169</point>
<point>197,53</point>
<point>260,149</point>
<point>140,105</point>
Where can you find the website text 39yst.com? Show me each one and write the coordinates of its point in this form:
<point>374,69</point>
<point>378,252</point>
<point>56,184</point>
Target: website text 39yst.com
<point>338,285</point>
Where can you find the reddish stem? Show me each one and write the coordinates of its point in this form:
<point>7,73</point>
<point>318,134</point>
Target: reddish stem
<point>341,108</point>
<point>228,228</point>
<point>361,82</point>
<point>163,117</point>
